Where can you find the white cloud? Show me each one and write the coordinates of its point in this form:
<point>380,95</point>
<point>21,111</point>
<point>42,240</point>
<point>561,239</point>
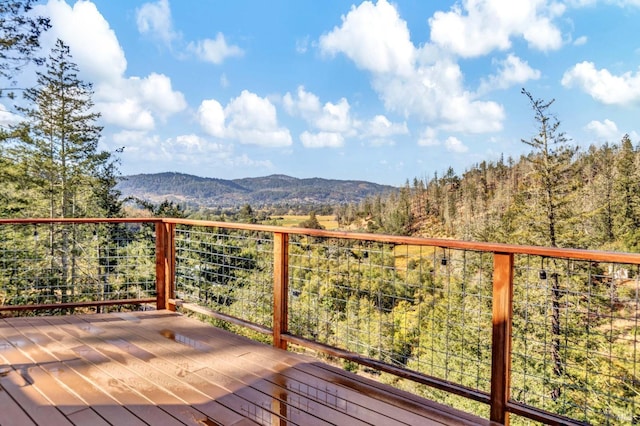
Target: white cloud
<point>154,19</point>
<point>249,119</point>
<point>137,143</point>
<point>602,85</point>
<point>127,113</point>
<point>188,151</point>
<point>422,83</point>
<point>306,104</point>
<point>322,140</point>
<point>85,30</point>
<point>214,51</point>
<point>454,144</point>
<point>512,70</point>
<point>335,117</point>
<point>429,137</point>
<point>476,27</point>
<point>374,37</point>
<point>156,91</point>
<point>129,102</point>
<point>580,41</point>
<point>330,117</point>
<point>606,130</point>
<point>211,117</point>
<point>8,118</point>
<point>380,131</point>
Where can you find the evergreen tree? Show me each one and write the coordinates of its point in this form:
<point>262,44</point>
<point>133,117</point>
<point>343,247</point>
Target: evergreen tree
<point>551,185</point>
<point>58,143</point>
<point>627,219</point>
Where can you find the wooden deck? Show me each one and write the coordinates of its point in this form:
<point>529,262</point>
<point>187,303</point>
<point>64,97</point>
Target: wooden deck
<point>163,368</point>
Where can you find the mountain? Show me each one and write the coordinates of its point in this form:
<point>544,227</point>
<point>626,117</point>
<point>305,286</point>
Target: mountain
<point>271,190</point>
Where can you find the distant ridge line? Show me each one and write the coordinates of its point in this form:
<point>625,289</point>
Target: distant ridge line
<point>272,190</point>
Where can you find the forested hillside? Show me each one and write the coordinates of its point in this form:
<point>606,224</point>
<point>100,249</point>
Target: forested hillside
<point>596,202</point>
<point>275,190</point>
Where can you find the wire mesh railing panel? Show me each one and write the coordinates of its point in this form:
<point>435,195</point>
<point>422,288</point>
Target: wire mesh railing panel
<point>228,271</point>
<point>575,339</point>
<point>419,308</point>
<point>75,263</point>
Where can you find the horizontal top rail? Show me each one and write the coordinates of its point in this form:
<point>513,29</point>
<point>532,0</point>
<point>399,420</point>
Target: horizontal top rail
<point>19,221</point>
<point>565,253</point>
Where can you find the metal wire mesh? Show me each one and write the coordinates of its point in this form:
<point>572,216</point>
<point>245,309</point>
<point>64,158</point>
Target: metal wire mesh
<point>70,263</point>
<point>420,308</point>
<point>575,339</point>
<point>229,271</point>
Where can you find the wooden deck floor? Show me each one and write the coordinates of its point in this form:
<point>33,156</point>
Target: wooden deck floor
<point>162,368</point>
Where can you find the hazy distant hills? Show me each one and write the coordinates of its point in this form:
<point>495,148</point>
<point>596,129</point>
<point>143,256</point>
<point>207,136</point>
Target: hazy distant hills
<point>259,191</point>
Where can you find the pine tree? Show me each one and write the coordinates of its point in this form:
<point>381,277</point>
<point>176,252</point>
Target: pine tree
<point>627,220</point>
<point>58,142</point>
<point>551,185</point>
<point>63,171</point>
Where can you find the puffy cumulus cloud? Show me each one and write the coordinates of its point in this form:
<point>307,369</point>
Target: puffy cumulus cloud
<point>249,119</point>
<point>85,30</point>
<point>606,130</point>
<point>380,130</point>
<point>157,92</point>
<point>422,83</point>
<point>328,118</point>
<point>602,85</point>
<point>435,94</point>
<point>380,126</point>
<point>214,51</point>
<point>132,103</point>
<point>512,71</point>
<point>211,117</point>
<point>374,37</point>
<point>322,140</point>
<point>154,19</point>
<point>127,113</point>
<point>454,144</point>
<point>129,102</point>
<point>477,27</point>
<point>335,117</point>
<point>304,104</point>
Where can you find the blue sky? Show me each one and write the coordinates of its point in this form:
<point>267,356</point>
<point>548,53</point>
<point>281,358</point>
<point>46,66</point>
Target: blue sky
<point>375,90</point>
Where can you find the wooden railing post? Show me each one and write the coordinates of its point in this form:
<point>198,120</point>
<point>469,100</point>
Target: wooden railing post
<point>501,341</point>
<point>165,265</point>
<point>280,288</point>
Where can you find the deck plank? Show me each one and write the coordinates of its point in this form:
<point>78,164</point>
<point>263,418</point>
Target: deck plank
<point>288,395</point>
<point>163,368</point>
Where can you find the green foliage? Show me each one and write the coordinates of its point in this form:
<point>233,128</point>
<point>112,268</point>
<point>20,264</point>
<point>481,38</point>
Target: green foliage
<point>55,148</point>
<point>19,37</point>
<point>311,223</point>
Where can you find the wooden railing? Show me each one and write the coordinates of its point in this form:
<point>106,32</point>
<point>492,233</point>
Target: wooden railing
<point>504,267</point>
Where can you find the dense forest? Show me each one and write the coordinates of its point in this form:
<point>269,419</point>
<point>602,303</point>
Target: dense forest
<point>575,324</point>
<point>596,202</point>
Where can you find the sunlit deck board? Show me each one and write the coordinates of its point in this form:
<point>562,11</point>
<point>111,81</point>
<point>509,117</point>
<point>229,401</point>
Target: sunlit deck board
<point>164,368</point>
